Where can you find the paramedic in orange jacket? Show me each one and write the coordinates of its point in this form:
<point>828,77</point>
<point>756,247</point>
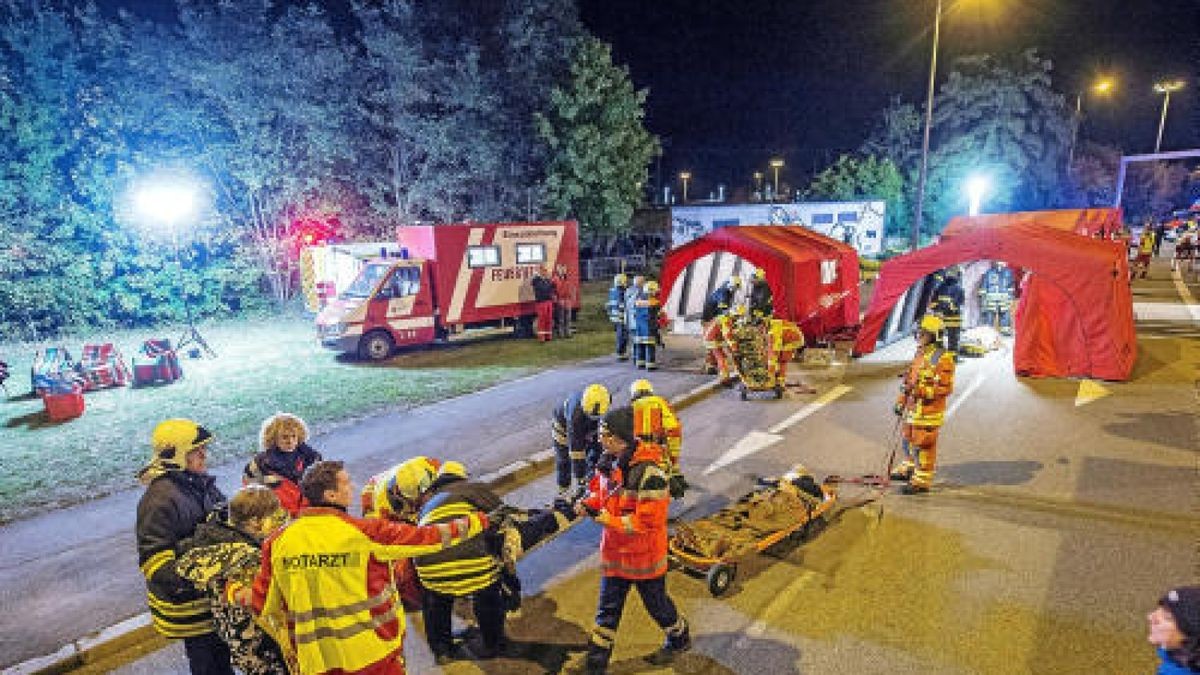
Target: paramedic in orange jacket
<point>628,496</point>
<point>329,574</point>
<point>922,406</point>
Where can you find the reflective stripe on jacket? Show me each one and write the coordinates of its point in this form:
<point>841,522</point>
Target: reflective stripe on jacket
<point>470,566</point>
<point>328,572</point>
<point>655,422</point>
<point>927,384</point>
<point>785,336</point>
<point>616,304</point>
<point>633,510</point>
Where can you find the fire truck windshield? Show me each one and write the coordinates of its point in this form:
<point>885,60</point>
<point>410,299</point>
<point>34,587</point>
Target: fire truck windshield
<point>366,281</point>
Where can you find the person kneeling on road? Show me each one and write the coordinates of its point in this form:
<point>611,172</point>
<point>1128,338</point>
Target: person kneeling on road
<point>328,572</point>
<point>628,496</point>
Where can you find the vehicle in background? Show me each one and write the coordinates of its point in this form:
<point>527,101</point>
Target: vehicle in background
<point>448,280</point>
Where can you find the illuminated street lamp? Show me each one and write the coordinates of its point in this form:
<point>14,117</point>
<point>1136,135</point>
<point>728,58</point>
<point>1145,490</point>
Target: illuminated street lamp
<point>775,164</point>
<point>977,187</point>
<point>171,203</point>
<point>1102,87</point>
<point>685,176</point>
<point>1165,88</point>
<point>758,178</point>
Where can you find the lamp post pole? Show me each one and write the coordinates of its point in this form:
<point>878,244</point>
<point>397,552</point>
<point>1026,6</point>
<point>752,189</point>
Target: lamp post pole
<point>685,176</point>
<point>1164,88</point>
<point>916,228</point>
<point>776,165</point>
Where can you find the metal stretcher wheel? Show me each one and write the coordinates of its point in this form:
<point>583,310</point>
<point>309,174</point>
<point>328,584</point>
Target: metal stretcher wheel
<point>720,578</point>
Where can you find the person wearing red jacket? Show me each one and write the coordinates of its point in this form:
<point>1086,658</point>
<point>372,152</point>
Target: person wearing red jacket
<point>629,496</point>
<point>329,574</point>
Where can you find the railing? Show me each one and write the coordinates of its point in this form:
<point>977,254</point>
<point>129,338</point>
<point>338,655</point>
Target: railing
<point>599,268</point>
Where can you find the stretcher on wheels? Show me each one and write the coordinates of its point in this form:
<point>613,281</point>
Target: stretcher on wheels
<point>754,370</point>
<point>770,516</point>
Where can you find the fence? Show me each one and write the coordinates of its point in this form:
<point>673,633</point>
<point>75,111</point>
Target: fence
<point>601,268</point>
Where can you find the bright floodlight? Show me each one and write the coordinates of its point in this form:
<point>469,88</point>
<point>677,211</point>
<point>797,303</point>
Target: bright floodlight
<point>166,203</point>
<point>977,186</point>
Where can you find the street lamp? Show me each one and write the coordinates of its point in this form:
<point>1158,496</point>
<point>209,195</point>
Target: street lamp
<point>1102,87</point>
<point>685,176</point>
<point>775,164</point>
<point>1165,88</point>
<point>170,203</point>
<point>976,186</point>
<point>921,177</point>
<point>758,178</point>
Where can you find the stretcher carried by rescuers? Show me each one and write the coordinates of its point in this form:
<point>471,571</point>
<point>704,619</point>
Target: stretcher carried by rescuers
<point>750,347</point>
<point>788,509</point>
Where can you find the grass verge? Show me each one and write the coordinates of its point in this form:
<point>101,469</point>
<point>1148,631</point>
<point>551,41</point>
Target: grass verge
<point>265,365</point>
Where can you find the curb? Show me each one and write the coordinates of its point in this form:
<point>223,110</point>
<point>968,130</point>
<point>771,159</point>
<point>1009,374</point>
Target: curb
<point>106,642</point>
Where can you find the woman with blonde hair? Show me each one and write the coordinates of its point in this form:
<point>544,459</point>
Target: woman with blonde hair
<point>283,456</point>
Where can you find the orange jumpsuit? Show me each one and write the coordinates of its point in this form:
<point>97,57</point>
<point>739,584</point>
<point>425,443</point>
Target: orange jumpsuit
<point>784,340</point>
<point>922,403</point>
<point>716,340</point>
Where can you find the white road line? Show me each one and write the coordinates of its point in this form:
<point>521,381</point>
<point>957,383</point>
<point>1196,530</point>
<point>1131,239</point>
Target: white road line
<point>783,603</point>
<point>958,400</point>
<point>822,401</point>
<point>1186,294</point>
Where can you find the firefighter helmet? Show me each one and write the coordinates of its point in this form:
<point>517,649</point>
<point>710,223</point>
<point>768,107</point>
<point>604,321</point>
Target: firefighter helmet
<point>620,280</point>
<point>760,274</point>
<point>651,287</point>
<point>408,480</point>
<point>931,323</point>
<point>173,439</point>
<point>453,468</point>
<point>737,310</point>
<point>735,281</point>
<point>595,401</point>
<point>640,388</point>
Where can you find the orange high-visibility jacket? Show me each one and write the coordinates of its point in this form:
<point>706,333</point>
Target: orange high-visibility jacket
<point>927,384</point>
<point>633,509</point>
<point>785,336</point>
<point>329,574</point>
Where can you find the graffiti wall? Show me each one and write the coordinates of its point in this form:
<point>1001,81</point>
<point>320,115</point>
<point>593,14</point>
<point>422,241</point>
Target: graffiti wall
<point>859,224</point>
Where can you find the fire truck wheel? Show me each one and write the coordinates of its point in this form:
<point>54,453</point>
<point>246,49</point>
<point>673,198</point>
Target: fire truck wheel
<point>376,346</point>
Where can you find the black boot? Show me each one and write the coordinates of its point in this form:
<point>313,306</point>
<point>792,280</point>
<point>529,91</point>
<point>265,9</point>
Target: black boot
<point>678,641</point>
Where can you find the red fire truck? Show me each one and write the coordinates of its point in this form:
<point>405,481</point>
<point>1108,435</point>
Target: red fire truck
<point>446,280</point>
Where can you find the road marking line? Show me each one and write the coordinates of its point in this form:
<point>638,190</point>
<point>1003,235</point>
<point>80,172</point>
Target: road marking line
<point>1186,294</point>
<point>958,400</point>
<point>822,401</point>
<point>783,602</point>
<point>755,441</point>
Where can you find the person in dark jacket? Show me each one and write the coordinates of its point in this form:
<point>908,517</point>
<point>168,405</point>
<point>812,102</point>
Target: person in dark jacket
<point>179,495</point>
<point>284,456</point>
<point>544,296</point>
<point>947,302</point>
<point>573,431</point>
<point>470,569</point>
<point>762,302</point>
<point>616,314</point>
<point>228,547</point>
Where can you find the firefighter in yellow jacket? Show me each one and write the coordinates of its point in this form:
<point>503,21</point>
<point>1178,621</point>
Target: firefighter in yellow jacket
<point>784,339</point>
<point>329,574</point>
<point>655,422</point>
<point>922,406</point>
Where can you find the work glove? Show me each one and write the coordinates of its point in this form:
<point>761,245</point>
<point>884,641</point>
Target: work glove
<point>677,485</point>
<point>898,409</point>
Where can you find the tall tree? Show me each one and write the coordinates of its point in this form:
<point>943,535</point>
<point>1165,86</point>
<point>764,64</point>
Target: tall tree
<point>857,178</point>
<point>999,117</point>
<point>599,148</point>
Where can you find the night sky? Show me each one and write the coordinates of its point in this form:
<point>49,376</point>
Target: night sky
<point>733,83</point>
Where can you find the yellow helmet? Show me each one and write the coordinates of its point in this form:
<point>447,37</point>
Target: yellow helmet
<point>931,323</point>
<point>452,468</point>
<point>735,281</point>
<point>173,439</point>
<point>760,274</point>
<point>620,280</point>
<point>737,310</point>
<point>595,400</point>
<point>651,287</point>
<point>407,481</point>
<point>640,387</point>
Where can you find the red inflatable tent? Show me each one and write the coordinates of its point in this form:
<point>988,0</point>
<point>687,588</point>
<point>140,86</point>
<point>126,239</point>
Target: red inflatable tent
<point>814,279</point>
<point>1076,315</point>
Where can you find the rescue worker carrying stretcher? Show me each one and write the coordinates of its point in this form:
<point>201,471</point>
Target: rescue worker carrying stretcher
<point>716,306</point>
<point>922,407</point>
<point>718,343</point>
<point>947,303</point>
<point>574,433</point>
<point>616,314</point>
<point>655,422</point>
